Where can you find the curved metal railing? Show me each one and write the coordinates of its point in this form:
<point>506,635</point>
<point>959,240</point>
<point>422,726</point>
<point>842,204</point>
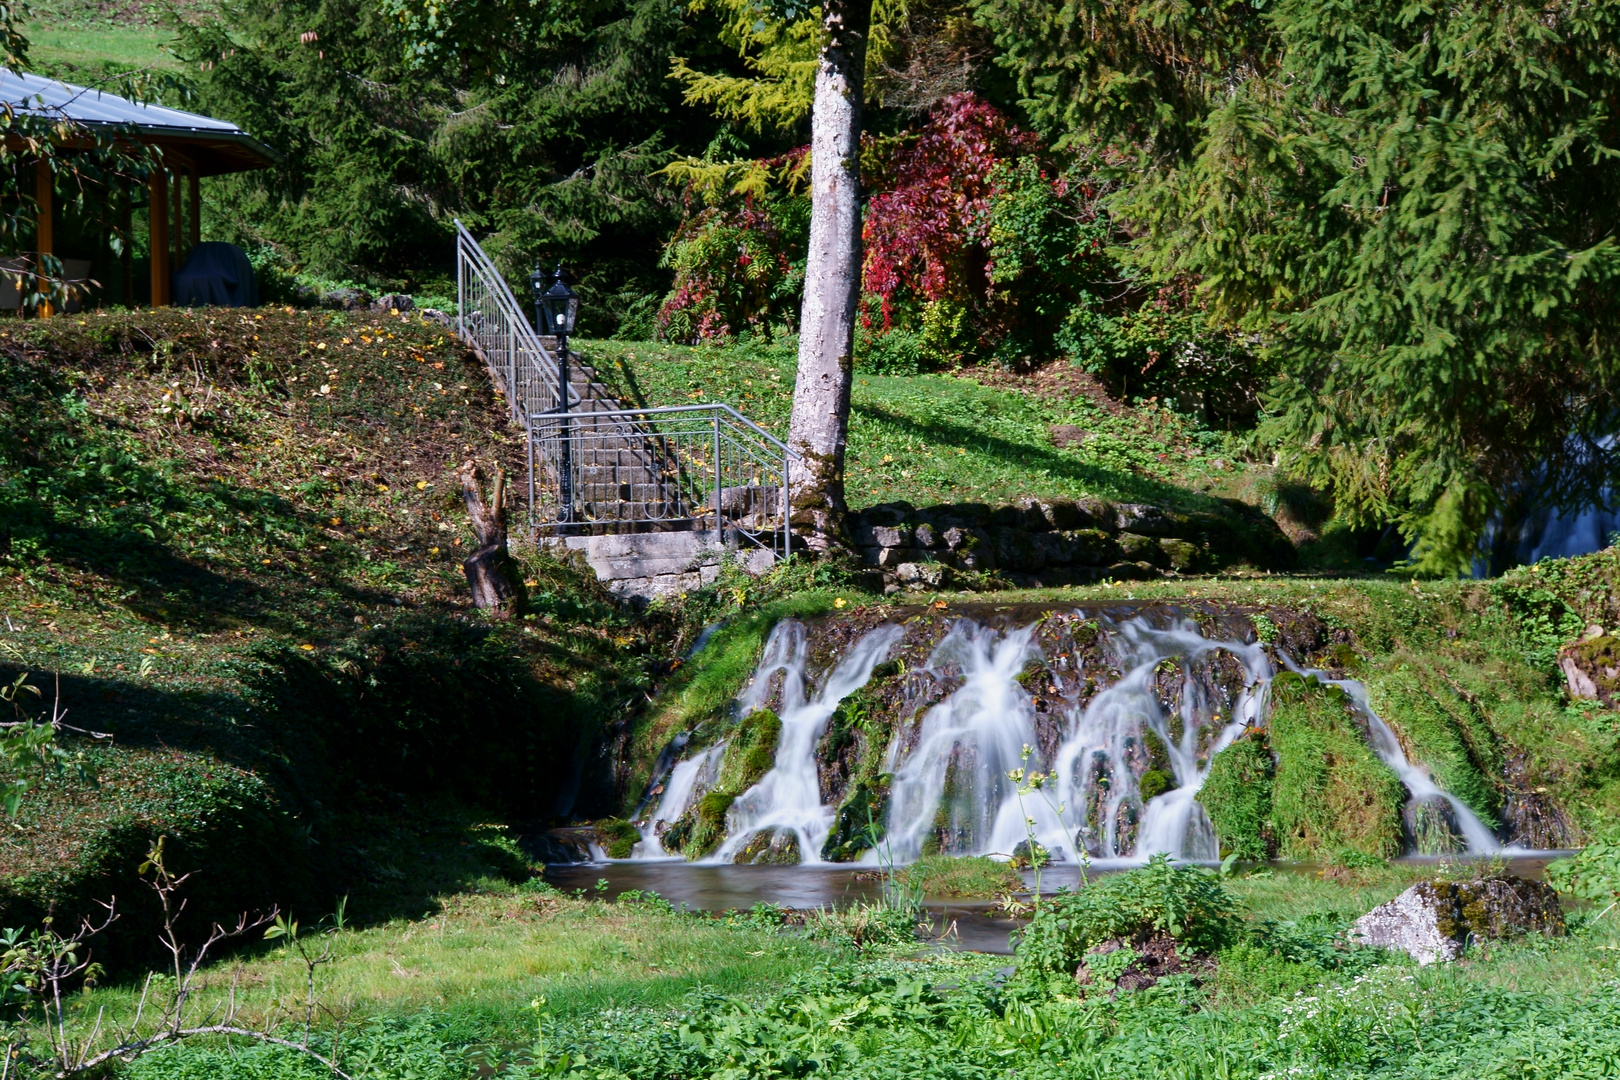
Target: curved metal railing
<point>597,468</point>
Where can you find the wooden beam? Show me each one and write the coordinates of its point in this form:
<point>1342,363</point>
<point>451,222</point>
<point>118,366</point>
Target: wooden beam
<point>44,196</point>
<point>196,207</point>
<point>159,236</point>
<point>177,223</point>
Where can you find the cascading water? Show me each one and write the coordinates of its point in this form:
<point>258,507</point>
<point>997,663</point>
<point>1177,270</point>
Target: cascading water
<point>789,796</point>
<point>1173,699</point>
<point>1419,784</point>
<point>955,781</point>
<point>688,776</point>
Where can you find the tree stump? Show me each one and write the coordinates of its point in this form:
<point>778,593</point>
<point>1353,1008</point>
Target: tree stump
<point>491,573</point>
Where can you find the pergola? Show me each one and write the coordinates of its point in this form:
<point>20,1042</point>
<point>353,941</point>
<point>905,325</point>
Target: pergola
<point>190,146</point>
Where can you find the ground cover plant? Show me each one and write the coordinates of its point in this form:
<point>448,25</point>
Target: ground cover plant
<point>530,982</point>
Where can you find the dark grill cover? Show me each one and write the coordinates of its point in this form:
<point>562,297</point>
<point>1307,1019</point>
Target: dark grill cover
<point>216,275</point>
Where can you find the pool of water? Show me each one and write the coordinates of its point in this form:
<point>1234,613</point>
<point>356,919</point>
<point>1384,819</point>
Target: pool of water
<point>958,923</point>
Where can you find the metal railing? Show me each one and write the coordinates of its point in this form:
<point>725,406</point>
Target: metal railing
<point>489,319</point>
<point>628,470</point>
<point>657,469</point>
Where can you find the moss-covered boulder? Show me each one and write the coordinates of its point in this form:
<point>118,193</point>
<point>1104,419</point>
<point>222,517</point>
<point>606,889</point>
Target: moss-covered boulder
<point>617,837</point>
<point>1237,795</point>
<point>770,847</point>
<point>750,753</point>
<point>1331,792</point>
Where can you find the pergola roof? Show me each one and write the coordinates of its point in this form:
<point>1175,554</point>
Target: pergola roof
<point>216,146</point>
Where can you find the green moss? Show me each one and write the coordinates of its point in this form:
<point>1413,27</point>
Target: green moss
<point>1155,782</point>
<point>617,837</point>
<point>1444,731</point>
<point>1237,796</point>
<point>961,875</point>
<point>1331,791</point>
<point>861,821</point>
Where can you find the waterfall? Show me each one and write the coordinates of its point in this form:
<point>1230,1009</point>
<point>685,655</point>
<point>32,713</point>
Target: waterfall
<point>955,780</point>
<point>1419,784</point>
<point>687,777</point>
<point>1150,703</point>
<point>789,795</point>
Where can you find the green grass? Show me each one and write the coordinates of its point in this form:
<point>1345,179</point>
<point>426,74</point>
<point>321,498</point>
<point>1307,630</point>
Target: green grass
<point>69,52</point>
<point>941,438</point>
<point>633,991</point>
<point>957,875</point>
<point>233,540</point>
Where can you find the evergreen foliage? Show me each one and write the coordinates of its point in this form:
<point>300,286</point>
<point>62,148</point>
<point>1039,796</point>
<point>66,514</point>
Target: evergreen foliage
<point>1415,203</point>
<point>542,129</point>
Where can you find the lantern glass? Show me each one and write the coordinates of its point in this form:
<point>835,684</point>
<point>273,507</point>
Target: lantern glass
<point>561,305</point>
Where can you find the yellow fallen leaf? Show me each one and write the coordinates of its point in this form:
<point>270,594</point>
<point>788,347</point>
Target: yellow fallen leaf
<point>321,345</point>
<point>838,603</point>
<point>307,648</point>
<point>382,489</point>
<point>421,485</point>
<point>433,551</point>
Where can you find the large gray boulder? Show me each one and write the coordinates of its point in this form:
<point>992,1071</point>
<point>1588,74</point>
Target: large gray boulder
<point>1434,920</point>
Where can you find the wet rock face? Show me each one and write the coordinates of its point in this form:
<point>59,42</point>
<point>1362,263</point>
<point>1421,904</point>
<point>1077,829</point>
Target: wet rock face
<point>1433,920</point>
<point>770,847</point>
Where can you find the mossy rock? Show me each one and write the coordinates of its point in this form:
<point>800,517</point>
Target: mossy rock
<point>617,837</point>
<point>751,753</point>
<point>1237,796</point>
<point>1330,790</point>
<point>1445,731</point>
<point>861,821</point>
<point>1155,782</point>
<point>770,847</point>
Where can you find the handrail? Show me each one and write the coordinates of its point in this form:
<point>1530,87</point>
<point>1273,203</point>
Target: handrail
<point>524,339</point>
<point>595,470</point>
<point>696,407</point>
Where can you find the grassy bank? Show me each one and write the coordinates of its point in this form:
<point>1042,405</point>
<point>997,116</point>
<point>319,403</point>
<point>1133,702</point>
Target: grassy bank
<point>232,542</point>
<point>530,984</point>
<point>946,438</point>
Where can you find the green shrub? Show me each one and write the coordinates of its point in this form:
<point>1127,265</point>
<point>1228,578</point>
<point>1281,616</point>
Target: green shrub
<point>1184,902</point>
<point>1237,796</point>
<point>1331,791</point>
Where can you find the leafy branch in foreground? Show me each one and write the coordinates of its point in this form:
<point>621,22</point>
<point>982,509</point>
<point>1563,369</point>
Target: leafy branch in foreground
<point>31,743</point>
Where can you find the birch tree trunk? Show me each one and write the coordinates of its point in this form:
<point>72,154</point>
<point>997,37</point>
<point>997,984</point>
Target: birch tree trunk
<point>832,279</point>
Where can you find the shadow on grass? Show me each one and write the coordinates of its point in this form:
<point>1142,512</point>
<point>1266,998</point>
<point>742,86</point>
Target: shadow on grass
<point>1027,457</point>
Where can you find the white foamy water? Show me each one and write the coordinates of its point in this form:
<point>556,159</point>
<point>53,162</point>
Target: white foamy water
<point>789,796</point>
<point>1481,840</point>
<point>973,739</point>
<point>694,774</point>
<point>950,773</point>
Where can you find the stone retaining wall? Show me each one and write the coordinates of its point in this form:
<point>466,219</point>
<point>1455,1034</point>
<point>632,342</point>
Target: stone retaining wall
<point>1047,542</point>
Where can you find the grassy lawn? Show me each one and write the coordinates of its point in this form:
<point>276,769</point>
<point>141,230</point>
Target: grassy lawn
<point>633,990</point>
<point>932,439</point>
<point>70,38</point>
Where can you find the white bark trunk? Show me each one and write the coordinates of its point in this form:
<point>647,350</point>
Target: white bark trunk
<point>832,279</point>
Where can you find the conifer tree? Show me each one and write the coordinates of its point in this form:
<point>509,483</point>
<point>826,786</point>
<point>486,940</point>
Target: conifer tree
<point>1415,204</point>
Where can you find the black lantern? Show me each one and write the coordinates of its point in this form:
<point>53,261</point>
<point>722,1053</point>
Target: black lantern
<point>558,306</point>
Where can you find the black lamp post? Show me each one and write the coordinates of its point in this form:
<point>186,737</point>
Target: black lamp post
<point>556,310</point>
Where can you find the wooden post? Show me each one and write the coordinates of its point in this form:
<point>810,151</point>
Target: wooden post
<point>44,196</point>
<point>126,261</point>
<point>177,222</point>
<point>159,233</point>
<point>195,236</point>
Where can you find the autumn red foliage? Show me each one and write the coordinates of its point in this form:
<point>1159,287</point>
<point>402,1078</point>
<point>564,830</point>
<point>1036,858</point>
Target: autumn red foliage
<point>927,228</point>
